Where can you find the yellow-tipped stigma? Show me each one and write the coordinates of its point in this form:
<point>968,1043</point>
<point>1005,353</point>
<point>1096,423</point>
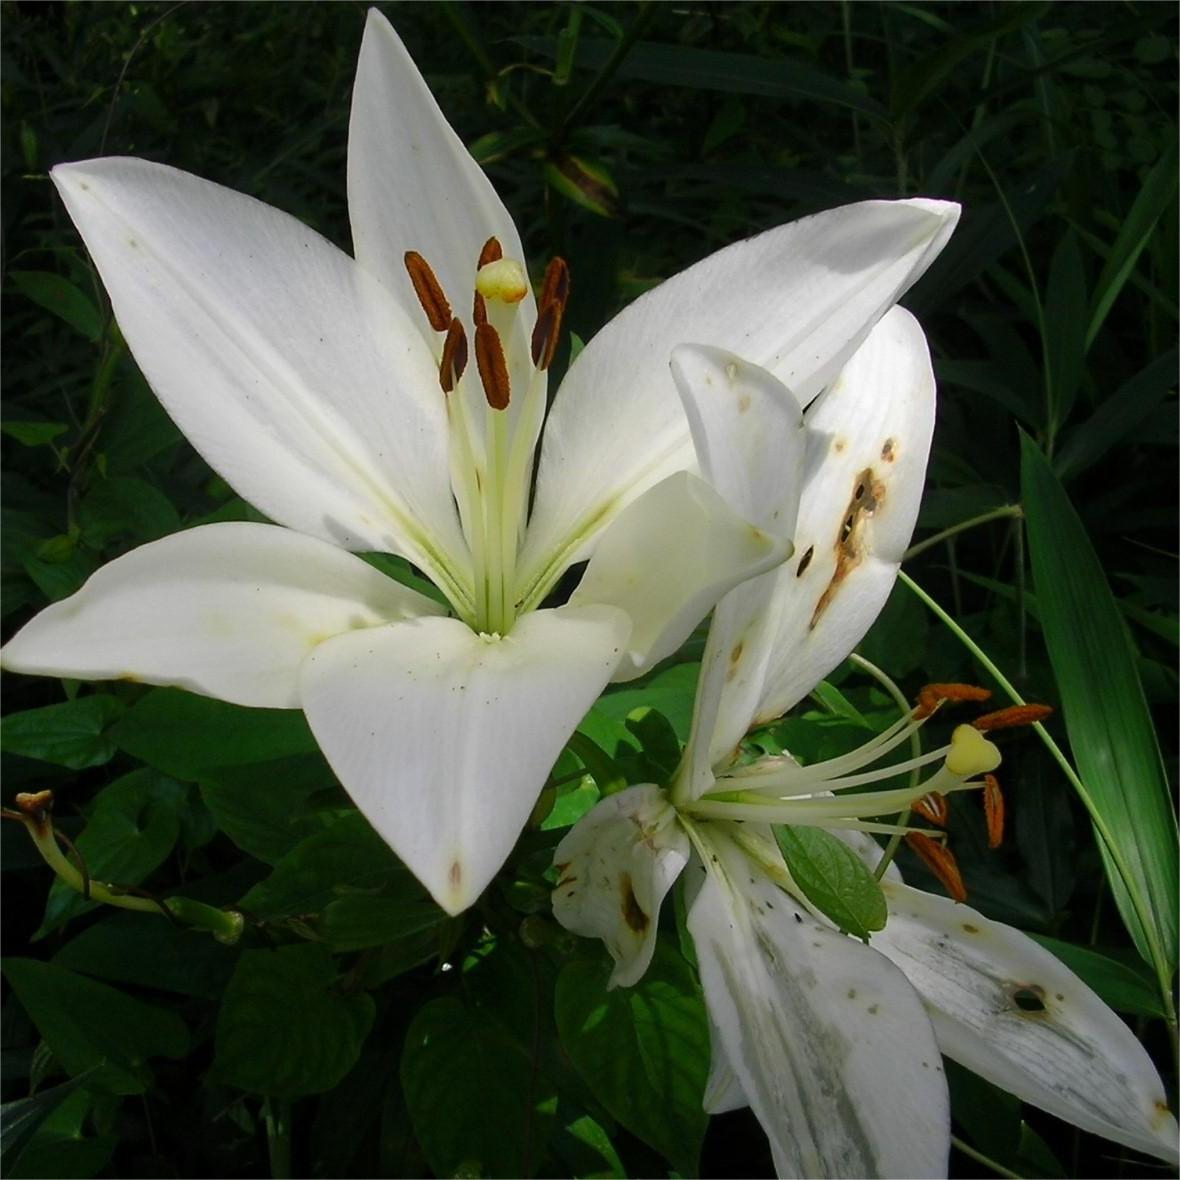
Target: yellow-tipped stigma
<point>971,753</point>
<point>503,280</point>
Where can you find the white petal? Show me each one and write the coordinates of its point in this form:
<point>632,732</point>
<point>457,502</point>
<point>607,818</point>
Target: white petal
<point>748,432</point>
<point>412,184</point>
<point>666,560</point>
<point>289,368</point>
<point>796,300</point>
<point>1072,1057</point>
<point>828,1041</point>
<point>443,737</point>
<point>868,442</point>
<point>616,866</point>
<point>226,610</point>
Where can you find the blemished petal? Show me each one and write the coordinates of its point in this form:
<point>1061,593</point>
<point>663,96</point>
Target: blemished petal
<point>749,436</point>
<point>868,444</point>
<point>286,364</point>
<point>1015,1014</point>
<point>226,610</point>
<point>443,737</point>
<point>828,1041</point>
<point>797,300</point>
<point>615,868</point>
<point>667,560</point>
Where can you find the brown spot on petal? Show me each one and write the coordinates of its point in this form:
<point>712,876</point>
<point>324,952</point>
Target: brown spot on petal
<point>867,495</point>
<point>633,913</point>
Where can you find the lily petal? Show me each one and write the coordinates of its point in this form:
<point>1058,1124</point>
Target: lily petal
<point>616,866</point>
<point>288,367</point>
<point>868,443</point>
<point>1015,1014</point>
<point>227,610</point>
<point>443,737</point>
<point>829,1044</point>
<point>749,435</point>
<point>797,300</point>
<point>667,560</point>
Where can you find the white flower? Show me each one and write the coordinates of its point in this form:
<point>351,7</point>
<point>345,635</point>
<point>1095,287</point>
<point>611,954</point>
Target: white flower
<point>836,1045</point>
<point>393,403</point>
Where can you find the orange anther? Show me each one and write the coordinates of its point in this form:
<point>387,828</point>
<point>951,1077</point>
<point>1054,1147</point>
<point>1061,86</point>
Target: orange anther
<point>493,369</point>
<point>429,291</point>
<point>492,252</point>
<point>1012,716</point>
<point>934,695</point>
<point>939,859</point>
<point>933,807</point>
<point>993,808</point>
<point>454,356</point>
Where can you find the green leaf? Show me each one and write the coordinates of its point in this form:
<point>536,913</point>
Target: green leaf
<point>76,733</point>
<point>1122,985</point>
<point>468,1086</point>
<point>61,297</point>
<point>266,808</point>
<point>835,880</point>
<point>1135,231</point>
<point>642,1050</point>
<point>132,826</point>
<point>87,1024</point>
<point>1124,786</point>
<point>283,1030</point>
<point>346,857</point>
<point>185,735</point>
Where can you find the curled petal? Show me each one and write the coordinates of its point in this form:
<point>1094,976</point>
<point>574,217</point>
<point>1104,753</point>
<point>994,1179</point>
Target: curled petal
<point>227,610</point>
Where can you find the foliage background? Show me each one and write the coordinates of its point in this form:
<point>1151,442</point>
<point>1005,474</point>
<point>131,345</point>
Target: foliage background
<point>632,140</point>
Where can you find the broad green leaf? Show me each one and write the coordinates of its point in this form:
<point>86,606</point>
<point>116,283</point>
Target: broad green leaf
<point>344,858</point>
<point>1065,328</point>
<point>61,297</point>
<point>469,1088</point>
<point>266,808</point>
<point>1123,986</point>
<point>284,1029</point>
<point>835,880</point>
<point>76,733</point>
<point>187,735</point>
<point>88,1024</point>
<point>1106,715</point>
<point>131,827</point>
<point>1135,231</point>
<point>642,1050</point>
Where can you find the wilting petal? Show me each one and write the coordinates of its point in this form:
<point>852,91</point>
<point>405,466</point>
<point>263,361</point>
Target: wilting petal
<point>226,610</point>
<point>616,865</point>
<point>412,184</point>
<point>289,367</point>
<point>666,560</point>
<point>1015,1014</point>
<point>748,432</point>
<point>443,737</point>
<point>796,300</point>
<point>829,1044</point>
<point>868,442</point>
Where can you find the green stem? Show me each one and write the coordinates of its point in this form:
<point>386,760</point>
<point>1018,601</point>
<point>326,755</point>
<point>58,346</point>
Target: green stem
<point>1008,511</point>
<point>987,1161</point>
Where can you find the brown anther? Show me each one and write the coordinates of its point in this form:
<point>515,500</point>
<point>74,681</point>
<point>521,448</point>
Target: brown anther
<point>934,695</point>
<point>1011,717</point>
<point>454,356</point>
<point>933,807</point>
<point>479,310</point>
<point>993,809</point>
<point>429,291</point>
<point>492,252</point>
<point>939,859</point>
<point>493,369</point>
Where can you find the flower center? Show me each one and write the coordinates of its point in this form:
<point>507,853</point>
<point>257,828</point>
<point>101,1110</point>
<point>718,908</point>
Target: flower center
<point>494,413</point>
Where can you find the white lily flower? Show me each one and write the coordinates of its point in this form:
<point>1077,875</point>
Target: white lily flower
<point>834,1044</point>
<point>393,403</point>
